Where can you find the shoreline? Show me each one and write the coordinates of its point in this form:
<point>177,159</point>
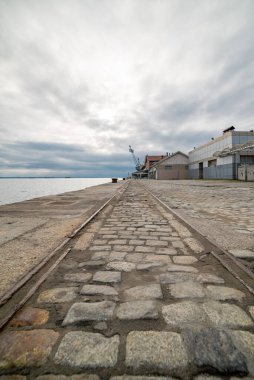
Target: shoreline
<point>15,190</point>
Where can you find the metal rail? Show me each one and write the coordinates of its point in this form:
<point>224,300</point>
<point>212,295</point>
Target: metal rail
<point>45,261</point>
<point>225,258</point>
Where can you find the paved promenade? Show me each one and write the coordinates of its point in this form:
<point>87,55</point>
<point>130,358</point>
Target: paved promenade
<point>138,297</point>
<point>221,210</point>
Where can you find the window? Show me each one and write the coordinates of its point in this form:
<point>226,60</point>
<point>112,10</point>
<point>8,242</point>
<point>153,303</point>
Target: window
<point>168,167</point>
<point>212,163</point>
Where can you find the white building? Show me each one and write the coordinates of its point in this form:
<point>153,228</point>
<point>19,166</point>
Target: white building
<point>221,157</point>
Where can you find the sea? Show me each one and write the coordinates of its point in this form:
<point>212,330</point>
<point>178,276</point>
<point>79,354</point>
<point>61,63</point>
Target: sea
<point>20,189</point>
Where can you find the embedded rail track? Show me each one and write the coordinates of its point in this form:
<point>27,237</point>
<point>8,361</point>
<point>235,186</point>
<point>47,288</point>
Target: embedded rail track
<point>127,300</point>
<point>20,292</point>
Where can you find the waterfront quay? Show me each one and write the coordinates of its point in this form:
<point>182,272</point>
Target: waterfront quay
<point>138,293</point>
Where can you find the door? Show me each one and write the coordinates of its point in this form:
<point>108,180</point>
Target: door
<point>200,170</point>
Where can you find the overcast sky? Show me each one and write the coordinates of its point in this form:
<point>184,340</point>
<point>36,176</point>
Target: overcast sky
<point>80,80</point>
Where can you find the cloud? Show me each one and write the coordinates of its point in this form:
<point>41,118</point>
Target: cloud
<point>85,79</point>
<point>57,159</point>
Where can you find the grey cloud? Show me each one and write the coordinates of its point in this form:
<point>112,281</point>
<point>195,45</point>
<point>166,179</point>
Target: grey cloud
<point>93,72</point>
<point>62,159</point>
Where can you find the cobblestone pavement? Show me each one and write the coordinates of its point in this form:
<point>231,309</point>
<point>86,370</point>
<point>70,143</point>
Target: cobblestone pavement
<point>138,297</point>
<point>222,210</point>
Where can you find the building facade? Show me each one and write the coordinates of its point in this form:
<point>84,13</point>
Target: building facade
<point>221,157</point>
<point>174,166</point>
<point>151,160</point>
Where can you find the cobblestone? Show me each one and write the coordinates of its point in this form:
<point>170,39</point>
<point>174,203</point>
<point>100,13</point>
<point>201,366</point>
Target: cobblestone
<point>98,289</point>
<point>30,316</point>
<point>184,313</point>
<point>181,268</point>
<point>57,295</point>
<point>107,276</point>
<point>19,349</point>
<point>121,266</point>
<point>172,278</point>
<point>138,310</point>
<point>80,349</point>
<point>144,300</point>
<point>144,292</point>
<point>82,311</point>
<point>78,277</point>
<point>223,293</point>
<point>184,260</point>
<point>214,348</point>
<point>226,315</point>
<point>161,351</point>
<point>187,289</point>
<point>209,278</point>
<point>242,253</point>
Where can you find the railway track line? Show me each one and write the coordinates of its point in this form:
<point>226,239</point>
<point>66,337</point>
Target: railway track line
<point>20,292</point>
<point>135,291</point>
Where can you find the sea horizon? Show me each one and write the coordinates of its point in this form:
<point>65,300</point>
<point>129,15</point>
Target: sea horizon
<point>27,188</point>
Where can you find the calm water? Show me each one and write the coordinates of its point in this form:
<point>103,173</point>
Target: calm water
<point>20,189</point>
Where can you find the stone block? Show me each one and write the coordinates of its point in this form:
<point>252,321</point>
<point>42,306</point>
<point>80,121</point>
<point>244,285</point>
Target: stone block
<point>155,351</point>
<point>117,256</point>
<point>242,253</point>
<point>181,268</point>
<point>124,248</point>
<point>89,311</point>
<point>147,266</point>
<point>122,266</point>
<point>156,243</point>
<point>143,292</point>
<point>224,293</point>
<point>244,341</point>
<point>187,289</point>
<point>91,263</point>
<point>138,310</point>
<point>58,295</point>
<point>215,349</point>
<point>30,316</point>
<point>227,315</point>
<point>107,276</point>
<point>145,249</point>
<point>79,349</point>
<point>98,289</point>
<point>194,245</point>
<point>78,277</point>
<point>135,257</point>
<point>184,313</point>
<point>118,242</point>
<point>185,260</point>
<point>100,255</point>
<point>173,278</point>
<point>209,278</point>
<point>19,349</point>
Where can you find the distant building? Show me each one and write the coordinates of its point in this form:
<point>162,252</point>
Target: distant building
<point>151,160</point>
<point>221,157</point>
<point>174,166</point>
